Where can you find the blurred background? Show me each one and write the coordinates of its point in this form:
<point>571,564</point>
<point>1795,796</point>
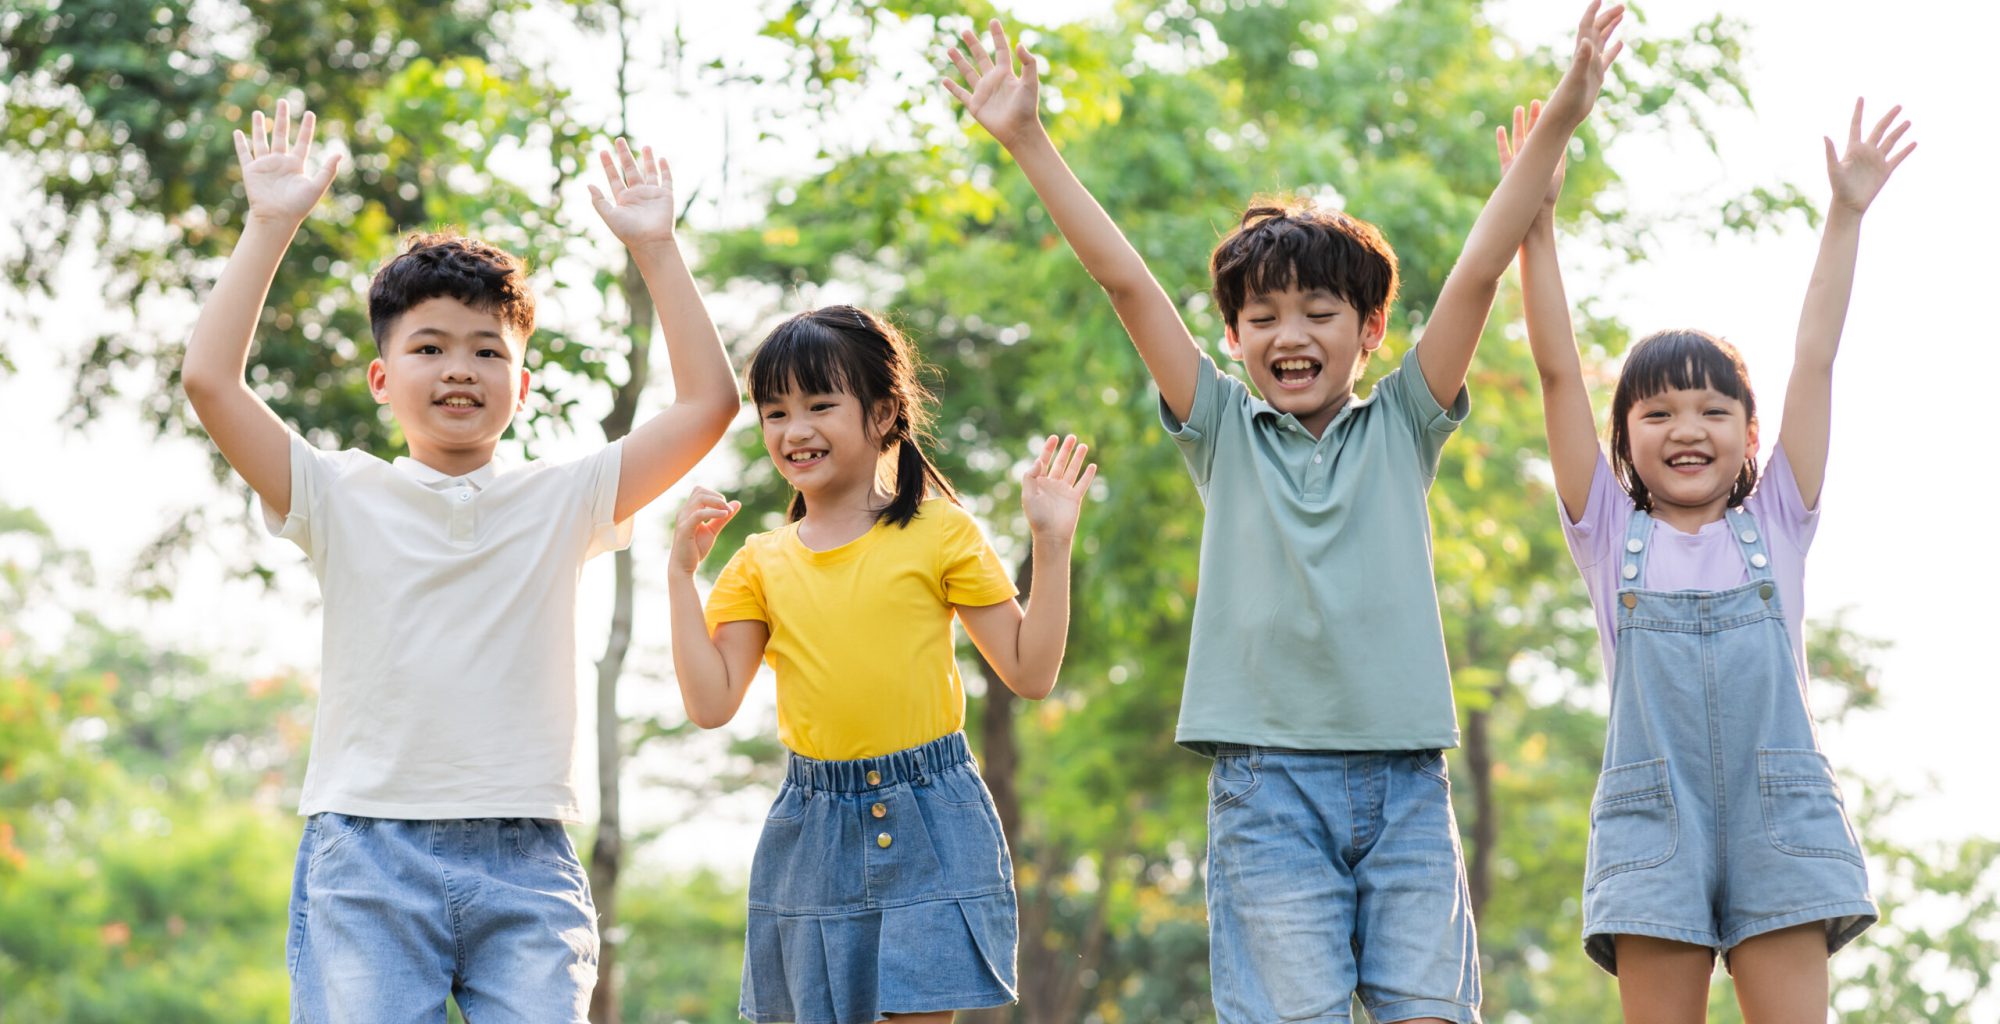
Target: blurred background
<point>158,654</point>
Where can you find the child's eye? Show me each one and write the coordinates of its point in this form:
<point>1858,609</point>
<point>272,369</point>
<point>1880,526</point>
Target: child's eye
<point>428,350</point>
<point>1322,316</point>
<point>492,353</point>
<point>821,406</point>
<point>775,414</point>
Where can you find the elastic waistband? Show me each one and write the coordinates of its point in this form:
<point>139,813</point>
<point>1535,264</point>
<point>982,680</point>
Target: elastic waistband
<point>861,775</point>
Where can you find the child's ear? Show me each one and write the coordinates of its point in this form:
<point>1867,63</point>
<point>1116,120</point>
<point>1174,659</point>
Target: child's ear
<point>1374,329</point>
<point>1229,342</point>
<point>378,381</point>
<point>1750,450</point>
<point>521,394</point>
<point>881,418</point>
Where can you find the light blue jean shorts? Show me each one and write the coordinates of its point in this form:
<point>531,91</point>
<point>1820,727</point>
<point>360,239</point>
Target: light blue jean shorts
<point>391,917</point>
<point>1333,875</point>
<point>880,886</point>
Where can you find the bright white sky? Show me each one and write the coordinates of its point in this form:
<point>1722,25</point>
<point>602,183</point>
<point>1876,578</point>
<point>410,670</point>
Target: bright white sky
<point>1926,258</point>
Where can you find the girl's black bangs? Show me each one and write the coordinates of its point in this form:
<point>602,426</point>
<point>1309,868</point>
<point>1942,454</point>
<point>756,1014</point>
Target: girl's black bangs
<point>803,356</point>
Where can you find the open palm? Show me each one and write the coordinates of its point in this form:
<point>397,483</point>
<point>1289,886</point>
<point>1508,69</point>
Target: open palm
<point>1860,172</point>
<point>639,206</point>
<point>1053,489</point>
<point>275,179</point>
<point>1005,103</point>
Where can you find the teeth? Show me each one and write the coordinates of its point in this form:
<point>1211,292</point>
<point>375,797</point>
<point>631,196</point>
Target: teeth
<point>803,456</point>
<point>1295,364</point>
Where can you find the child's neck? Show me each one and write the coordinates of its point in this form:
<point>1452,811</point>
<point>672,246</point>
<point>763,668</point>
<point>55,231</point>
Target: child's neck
<point>839,516</point>
<point>1690,518</point>
<point>453,461</point>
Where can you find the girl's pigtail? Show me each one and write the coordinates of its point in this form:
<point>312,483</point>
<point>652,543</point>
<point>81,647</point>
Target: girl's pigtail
<point>916,478</point>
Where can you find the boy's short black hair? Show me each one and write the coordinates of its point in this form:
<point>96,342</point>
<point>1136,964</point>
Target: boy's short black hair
<point>449,264</point>
<point>1282,243</point>
<point>1674,360</point>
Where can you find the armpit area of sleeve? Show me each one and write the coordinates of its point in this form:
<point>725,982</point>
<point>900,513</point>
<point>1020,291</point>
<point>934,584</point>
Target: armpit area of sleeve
<point>1205,410</point>
<point>1416,391</point>
<point>296,524</point>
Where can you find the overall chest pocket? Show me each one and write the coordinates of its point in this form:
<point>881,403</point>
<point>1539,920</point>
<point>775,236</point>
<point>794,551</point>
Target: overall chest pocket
<point>1802,807</point>
<point>1632,821</point>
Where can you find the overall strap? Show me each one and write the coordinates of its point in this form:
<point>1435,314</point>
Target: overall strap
<point>1632,559</point>
<point>1750,543</point>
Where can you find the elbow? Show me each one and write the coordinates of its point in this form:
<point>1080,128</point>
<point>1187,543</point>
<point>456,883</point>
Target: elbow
<point>704,718</point>
<point>1033,689</point>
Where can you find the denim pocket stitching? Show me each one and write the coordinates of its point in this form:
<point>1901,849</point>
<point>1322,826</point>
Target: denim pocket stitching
<point>980,794</point>
<point>1662,794</point>
<point>1430,764</point>
<point>521,847</point>
<point>350,826</point>
<point>1771,783</point>
<point>772,817</point>
<point>1252,764</point>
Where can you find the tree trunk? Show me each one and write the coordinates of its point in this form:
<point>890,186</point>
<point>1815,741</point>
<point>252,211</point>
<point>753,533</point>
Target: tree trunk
<point>607,852</point>
<point>1485,827</point>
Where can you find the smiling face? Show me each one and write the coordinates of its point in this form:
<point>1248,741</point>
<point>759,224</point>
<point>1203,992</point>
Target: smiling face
<point>1304,349</point>
<point>1689,446</point>
<point>820,443</point>
<point>452,377</point>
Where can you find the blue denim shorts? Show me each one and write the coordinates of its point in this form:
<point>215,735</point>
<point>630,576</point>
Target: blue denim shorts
<point>391,917</point>
<point>880,886</point>
<point>1333,875</point>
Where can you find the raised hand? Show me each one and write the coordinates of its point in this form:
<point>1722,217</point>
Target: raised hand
<point>1006,104</point>
<point>1595,51</point>
<point>704,516</point>
<point>274,167</point>
<point>1524,122</point>
<point>1053,489</point>
<point>640,206</point>
<point>1860,172</point>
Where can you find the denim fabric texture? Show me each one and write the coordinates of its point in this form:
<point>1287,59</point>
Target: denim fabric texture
<point>1716,818</point>
<point>1333,875</point>
<point>880,885</point>
<point>390,917</point>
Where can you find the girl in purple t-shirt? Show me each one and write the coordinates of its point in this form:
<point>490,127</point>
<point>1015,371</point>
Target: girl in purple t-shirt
<point>1717,826</point>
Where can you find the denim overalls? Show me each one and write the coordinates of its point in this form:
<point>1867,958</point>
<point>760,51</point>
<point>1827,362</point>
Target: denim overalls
<point>1716,818</point>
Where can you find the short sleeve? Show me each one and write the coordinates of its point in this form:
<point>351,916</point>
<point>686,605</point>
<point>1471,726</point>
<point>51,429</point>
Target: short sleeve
<point>969,570</point>
<point>600,486</point>
<point>738,594</point>
<point>1405,390</point>
<point>312,472</point>
<point>1778,505</point>
<point>1197,436</point>
<point>1598,530</point>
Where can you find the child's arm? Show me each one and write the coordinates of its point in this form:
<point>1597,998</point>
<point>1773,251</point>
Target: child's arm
<point>1452,334</point>
<point>1006,105</point>
<point>1857,175</point>
<point>1026,646</point>
<point>1565,400</point>
<point>281,194</point>
<point>640,211</point>
<point>714,671</point>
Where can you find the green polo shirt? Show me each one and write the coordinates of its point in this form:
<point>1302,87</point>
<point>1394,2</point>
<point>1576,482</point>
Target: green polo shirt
<point>1315,617</point>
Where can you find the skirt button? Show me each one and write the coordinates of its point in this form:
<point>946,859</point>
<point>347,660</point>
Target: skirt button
<point>879,811</point>
<point>883,840</point>
<point>875,779</point>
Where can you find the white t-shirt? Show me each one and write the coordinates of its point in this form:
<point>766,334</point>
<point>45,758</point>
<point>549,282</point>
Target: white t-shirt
<point>448,679</point>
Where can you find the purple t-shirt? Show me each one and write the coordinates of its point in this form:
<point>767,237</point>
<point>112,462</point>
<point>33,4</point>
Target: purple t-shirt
<point>1708,559</point>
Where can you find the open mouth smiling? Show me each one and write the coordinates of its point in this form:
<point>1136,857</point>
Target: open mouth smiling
<point>1295,371</point>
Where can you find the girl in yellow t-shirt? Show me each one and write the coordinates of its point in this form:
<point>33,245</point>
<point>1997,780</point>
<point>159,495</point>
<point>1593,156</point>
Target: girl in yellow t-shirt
<point>881,886</point>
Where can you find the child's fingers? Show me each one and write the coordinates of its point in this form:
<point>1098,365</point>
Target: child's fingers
<point>242,147</point>
<point>1612,53</point>
<point>283,142</point>
<point>976,51</point>
<point>1895,136</point>
<point>964,66</point>
<point>1854,124</point>
<point>1077,460</point>
<point>1089,474</point>
<point>612,178</point>
<point>1029,72</point>
<point>1589,19</point>
<point>306,126</point>
<point>957,93</point>
<point>1897,160</point>
<point>628,166</point>
<point>1875,137</point>
<point>1002,51</point>
<point>1500,144</point>
<point>1832,157</point>
<point>260,144</point>
<point>327,171</point>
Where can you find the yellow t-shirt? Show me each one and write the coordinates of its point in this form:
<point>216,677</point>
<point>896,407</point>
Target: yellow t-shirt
<point>861,635</point>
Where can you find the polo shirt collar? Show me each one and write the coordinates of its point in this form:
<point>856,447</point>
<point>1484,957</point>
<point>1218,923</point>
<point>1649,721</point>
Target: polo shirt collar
<point>1261,409</point>
<point>438,480</point>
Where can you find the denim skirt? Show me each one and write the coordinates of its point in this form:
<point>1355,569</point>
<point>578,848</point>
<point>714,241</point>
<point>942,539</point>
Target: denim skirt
<point>880,885</point>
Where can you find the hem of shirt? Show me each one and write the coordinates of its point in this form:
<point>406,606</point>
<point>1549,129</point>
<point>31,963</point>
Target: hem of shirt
<point>1204,741</point>
<point>568,813</point>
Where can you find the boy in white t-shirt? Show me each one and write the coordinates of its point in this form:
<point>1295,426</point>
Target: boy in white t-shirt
<point>433,863</point>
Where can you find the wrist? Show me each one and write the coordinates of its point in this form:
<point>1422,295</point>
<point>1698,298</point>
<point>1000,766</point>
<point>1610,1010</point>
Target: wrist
<point>273,220</point>
<point>654,247</point>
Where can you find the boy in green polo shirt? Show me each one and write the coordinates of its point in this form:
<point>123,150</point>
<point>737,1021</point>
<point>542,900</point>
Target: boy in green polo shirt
<point>1317,676</point>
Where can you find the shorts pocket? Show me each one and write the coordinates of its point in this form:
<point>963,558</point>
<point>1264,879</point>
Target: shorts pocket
<point>961,786</point>
<point>790,805</point>
<point>1632,821</point>
<point>331,831</point>
<point>1803,810</point>
<point>546,843</point>
<point>1233,777</point>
